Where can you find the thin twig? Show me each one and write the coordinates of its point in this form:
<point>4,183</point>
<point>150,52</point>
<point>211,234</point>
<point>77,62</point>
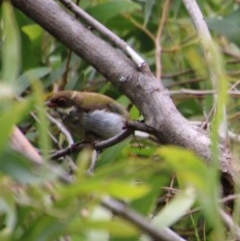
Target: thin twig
<point>230,198</point>
<point>63,82</point>
<point>67,67</point>
<point>230,224</point>
<point>122,210</point>
<point>112,141</point>
<point>184,82</point>
<point>140,126</point>
<point>176,75</point>
<point>234,93</point>
<point>216,71</point>
<point>131,126</point>
<point>233,136</point>
<point>76,147</point>
<point>62,128</point>
<point>105,32</point>
<point>158,39</point>
<point>140,26</point>
<point>232,53</point>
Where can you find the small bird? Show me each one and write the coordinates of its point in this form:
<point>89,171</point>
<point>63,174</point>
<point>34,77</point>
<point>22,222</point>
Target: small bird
<point>88,115</point>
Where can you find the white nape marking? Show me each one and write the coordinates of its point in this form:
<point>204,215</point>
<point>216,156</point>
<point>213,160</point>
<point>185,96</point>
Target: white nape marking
<point>66,111</point>
<point>74,93</point>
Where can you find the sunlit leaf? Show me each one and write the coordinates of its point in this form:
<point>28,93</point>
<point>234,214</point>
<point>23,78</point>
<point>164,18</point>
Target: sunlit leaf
<point>42,124</point>
<point>11,45</point>
<point>191,170</point>
<point>33,31</point>
<point>115,188</point>
<point>102,223</point>
<point>188,166</point>
<point>176,208</point>
<point>114,227</point>
<point>196,61</point>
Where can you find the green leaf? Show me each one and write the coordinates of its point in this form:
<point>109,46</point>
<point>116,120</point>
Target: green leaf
<point>115,188</point>
<point>195,60</point>
<point>44,228</point>
<point>228,26</point>
<point>24,171</point>
<point>33,31</point>
<point>114,227</point>
<point>100,222</point>
<point>11,45</point>
<point>148,10</point>
<point>107,10</point>
<point>120,189</point>
<point>6,91</point>
<point>111,153</point>
<point>42,124</point>
<point>189,168</point>
<point>192,171</point>
<point>24,81</point>
<point>176,208</point>
<point>7,206</point>
<point>146,204</point>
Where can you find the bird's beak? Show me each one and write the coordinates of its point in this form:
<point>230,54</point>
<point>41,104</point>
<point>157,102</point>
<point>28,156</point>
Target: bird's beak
<point>50,104</point>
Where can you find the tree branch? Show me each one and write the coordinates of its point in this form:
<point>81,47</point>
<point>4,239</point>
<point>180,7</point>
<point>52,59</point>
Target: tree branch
<point>97,146</point>
<point>120,209</point>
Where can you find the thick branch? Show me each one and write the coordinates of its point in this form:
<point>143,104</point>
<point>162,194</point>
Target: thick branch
<point>144,90</point>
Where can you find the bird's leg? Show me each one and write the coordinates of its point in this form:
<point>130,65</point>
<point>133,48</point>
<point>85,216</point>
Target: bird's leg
<point>94,159</point>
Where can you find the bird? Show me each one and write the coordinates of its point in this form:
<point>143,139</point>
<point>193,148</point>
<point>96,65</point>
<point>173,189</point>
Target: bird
<point>87,115</point>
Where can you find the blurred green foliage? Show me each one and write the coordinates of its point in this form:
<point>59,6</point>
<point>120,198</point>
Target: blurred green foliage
<point>34,203</point>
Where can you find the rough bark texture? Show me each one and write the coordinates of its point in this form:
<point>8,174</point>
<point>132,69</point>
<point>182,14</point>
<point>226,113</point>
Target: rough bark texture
<point>144,90</point>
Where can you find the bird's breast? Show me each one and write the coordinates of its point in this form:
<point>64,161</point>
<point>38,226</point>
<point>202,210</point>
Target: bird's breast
<point>103,124</point>
<point>92,125</point>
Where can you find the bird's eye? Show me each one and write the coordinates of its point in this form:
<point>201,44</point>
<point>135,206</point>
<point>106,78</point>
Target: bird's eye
<point>61,102</point>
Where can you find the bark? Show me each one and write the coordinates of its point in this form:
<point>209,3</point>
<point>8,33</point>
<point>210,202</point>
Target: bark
<point>148,94</point>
